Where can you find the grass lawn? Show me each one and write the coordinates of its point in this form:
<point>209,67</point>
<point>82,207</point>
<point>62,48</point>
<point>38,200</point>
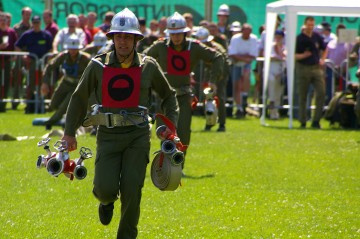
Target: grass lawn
<point>249,182</point>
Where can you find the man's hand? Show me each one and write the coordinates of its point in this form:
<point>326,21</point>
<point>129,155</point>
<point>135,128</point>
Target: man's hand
<point>3,46</point>
<point>322,62</point>
<point>306,54</point>
<point>71,142</point>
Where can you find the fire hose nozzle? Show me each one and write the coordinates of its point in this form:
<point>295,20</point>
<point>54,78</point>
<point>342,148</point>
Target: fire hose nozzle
<point>80,172</point>
<point>55,167</point>
<point>168,147</point>
<point>177,157</point>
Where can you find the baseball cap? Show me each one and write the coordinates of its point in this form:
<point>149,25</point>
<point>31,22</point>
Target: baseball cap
<point>142,21</point>
<point>280,33</point>
<point>36,18</point>
<point>326,26</point>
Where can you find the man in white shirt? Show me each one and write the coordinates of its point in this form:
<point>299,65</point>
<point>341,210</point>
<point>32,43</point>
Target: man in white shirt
<point>243,49</point>
<point>72,21</point>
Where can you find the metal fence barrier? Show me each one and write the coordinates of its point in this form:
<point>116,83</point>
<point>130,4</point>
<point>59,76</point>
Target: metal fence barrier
<point>336,79</point>
<point>24,79</point>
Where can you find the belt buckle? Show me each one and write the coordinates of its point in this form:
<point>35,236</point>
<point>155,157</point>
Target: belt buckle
<point>144,110</point>
<point>109,122</point>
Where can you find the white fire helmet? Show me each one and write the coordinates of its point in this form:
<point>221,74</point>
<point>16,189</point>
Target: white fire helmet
<point>235,26</point>
<point>176,24</point>
<point>73,42</point>
<point>224,10</point>
<point>100,39</point>
<point>125,21</point>
<point>203,35</point>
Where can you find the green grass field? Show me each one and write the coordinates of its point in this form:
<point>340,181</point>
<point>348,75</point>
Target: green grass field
<point>250,182</point>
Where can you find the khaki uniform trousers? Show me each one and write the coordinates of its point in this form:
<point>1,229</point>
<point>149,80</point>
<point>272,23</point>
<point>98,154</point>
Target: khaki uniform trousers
<point>184,120</point>
<point>120,168</point>
<point>306,75</point>
<point>60,101</point>
<point>221,86</point>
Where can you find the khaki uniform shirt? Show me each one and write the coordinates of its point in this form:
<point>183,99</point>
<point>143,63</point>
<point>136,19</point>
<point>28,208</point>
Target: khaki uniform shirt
<point>222,40</point>
<point>20,28</point>
<point>198,51</point>
<point>218,47</point>
<point>151,78</point>
<point>54,64</point>
<point>91,49</point>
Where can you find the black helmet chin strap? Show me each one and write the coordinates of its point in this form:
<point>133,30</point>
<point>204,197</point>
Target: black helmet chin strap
<point>125,57</point>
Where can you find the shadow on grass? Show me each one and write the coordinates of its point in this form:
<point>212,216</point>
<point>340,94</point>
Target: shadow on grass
<point>210,175</point>
<point>282,127</point>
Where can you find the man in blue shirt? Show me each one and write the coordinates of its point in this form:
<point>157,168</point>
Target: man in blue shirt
<point>37,42</point>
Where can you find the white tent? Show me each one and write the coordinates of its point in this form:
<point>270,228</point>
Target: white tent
<point>291,9</point>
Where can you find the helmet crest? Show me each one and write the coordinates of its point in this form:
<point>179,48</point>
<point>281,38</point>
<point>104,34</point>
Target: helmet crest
<point>176,24</point>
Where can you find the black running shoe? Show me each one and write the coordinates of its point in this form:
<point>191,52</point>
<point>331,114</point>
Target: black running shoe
<point>239,114</point>
<point>221,128</point>
<point>315,125</point>
<point>106,213</point>
<point>208,127</point>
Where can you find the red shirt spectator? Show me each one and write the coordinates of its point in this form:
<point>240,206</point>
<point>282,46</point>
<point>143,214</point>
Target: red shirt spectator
<point>82,25</point>
<point>50,25</point>
<point>90,26</point>
<point>8,35</point>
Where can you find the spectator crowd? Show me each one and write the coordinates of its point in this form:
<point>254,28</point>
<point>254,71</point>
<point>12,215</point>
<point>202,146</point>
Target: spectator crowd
<point>46,57</point>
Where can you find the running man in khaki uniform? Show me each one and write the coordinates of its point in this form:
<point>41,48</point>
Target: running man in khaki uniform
<point>178,56</point>
<point>99,42</point>
<point>204,36</point>
<point>122,80</point>
<point>73,63</point>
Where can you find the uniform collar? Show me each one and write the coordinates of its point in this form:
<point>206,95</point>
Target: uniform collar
<point>110,59</point>
<point>184,44</point>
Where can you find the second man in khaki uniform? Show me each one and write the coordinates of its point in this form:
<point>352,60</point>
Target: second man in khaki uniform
<point>178,56</point>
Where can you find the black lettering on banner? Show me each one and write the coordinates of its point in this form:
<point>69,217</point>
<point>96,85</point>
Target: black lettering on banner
<point>74,6</point>
<point>118,8</point>
<point>91,7</point>
<point>120,93</point>
<point>332,19</point>
<point>144,8</point>
<point>63,8</point>
<point>178,63</point>
<point>160,13</point>
<point>134,9</point>
<point>351,19</point>
<point>340,19</point>
<point>59,8</point>
<point>150,8</point>
<point>103,9</point>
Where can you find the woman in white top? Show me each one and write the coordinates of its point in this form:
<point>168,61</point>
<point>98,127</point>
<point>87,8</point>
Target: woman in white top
<point>277,67</point>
